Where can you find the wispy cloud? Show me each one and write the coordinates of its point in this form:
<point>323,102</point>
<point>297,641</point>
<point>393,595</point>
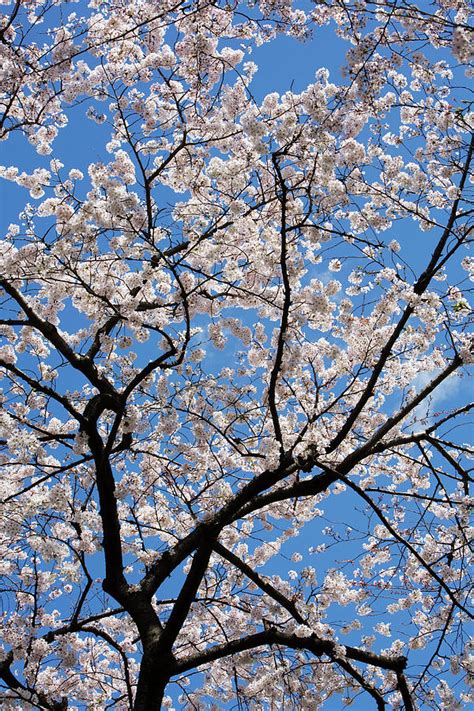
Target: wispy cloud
<point>447,390</point>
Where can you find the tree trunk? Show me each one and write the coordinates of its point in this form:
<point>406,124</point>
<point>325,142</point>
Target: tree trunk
<point>155,672</point>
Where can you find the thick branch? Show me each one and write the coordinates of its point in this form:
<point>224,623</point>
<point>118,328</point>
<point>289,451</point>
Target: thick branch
<point>274,375</point>
<point>264,585</point>
<point>51,333</point>
<point>312,643</point>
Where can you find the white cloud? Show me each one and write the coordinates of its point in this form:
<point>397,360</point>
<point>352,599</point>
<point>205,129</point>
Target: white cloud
<point>447,390</point>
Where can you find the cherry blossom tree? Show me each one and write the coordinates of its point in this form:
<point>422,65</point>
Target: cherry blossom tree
<point>235,357</point>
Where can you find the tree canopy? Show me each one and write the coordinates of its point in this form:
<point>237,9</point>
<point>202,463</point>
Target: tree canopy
<point>235,356</point>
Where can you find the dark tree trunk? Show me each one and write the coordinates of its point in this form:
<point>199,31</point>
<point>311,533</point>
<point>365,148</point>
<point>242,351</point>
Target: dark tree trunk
<point>155,672</point>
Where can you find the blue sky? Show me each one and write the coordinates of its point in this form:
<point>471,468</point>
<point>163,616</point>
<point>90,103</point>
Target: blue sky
<point>283,64</point>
